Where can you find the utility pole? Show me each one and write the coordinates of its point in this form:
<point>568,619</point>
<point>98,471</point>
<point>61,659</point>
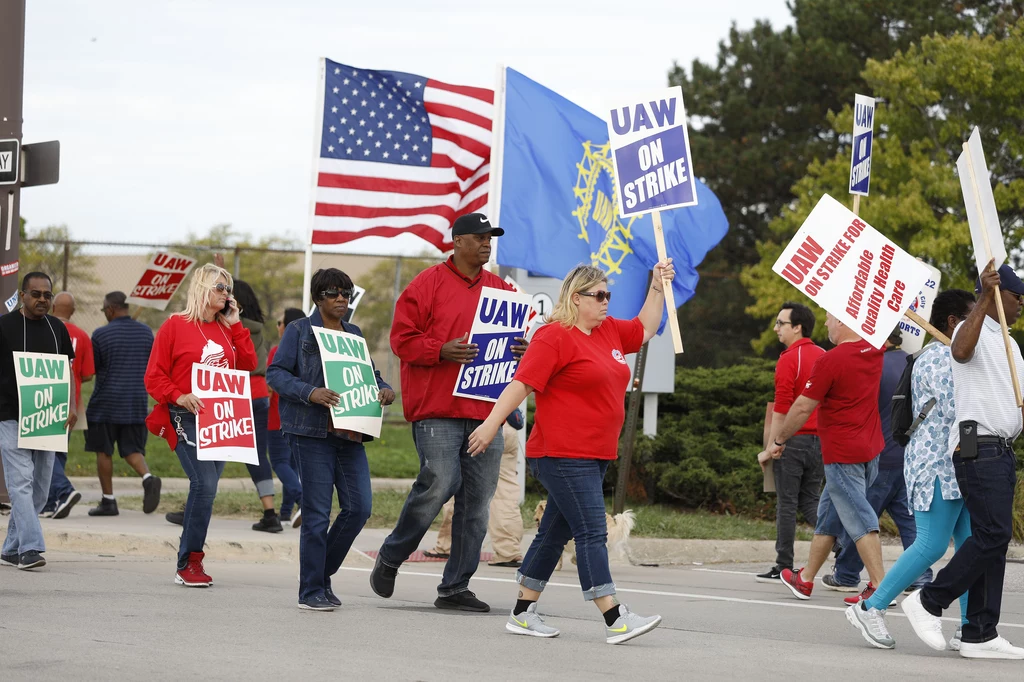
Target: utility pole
<point>12,86</point>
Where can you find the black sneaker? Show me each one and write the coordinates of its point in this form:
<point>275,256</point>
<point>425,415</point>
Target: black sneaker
<point>463,601</point>
<point>268,524</point>
<point>105,508</point>
<point>31,559</point>
<point>382,579</point>
<point>331,597</point>
<point>177,518</point>
<point>317,603</point>
<point>64,506</point>
<point>150,494</point>
<point>9,560</point>
<point>772,575</point>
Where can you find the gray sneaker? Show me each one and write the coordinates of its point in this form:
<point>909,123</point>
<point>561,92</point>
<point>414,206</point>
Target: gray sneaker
<point>529,623</point>
<point>629,625</point>
<point>954,643</point>
<point>871,623</point>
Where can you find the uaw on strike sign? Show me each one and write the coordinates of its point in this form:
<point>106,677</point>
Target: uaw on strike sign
<point>500,317</point>
<point>851,270</point>
<point>348,371</point>
<point>44,381</point>
<point>224,427</point>
<point>163,276</point>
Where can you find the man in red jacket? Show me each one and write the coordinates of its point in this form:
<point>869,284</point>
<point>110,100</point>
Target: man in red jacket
<point>433,318</point>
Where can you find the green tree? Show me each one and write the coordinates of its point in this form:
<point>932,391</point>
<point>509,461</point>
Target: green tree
<point>376,310</point>
<point>50,251</point>
<point>933,95</point>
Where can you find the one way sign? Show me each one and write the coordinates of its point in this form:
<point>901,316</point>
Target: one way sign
<point>8,162</point>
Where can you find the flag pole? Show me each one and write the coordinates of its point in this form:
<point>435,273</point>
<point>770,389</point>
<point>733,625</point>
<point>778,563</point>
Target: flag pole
<point>497,154</point>
<point>318,131</point>
<point>666,285</point>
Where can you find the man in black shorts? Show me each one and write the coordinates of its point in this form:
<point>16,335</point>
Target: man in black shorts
<point>118,407</point>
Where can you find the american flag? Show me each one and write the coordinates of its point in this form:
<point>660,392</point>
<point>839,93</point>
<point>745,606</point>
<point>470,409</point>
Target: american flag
<point>399,153</point>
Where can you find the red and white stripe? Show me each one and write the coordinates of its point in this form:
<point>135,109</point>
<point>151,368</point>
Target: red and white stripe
<point>356,199</point>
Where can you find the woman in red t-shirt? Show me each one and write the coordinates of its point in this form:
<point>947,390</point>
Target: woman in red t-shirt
<point>576,366</point>
<point>208,332</point>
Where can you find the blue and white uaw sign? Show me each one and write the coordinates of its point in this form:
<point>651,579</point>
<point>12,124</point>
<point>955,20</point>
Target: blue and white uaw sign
<point>651,153</point>
<point>500,317</point>
<point>863,132</point>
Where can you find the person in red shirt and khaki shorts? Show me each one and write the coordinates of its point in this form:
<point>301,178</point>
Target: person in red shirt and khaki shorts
<point>576,366</point>
<point>844,388</point>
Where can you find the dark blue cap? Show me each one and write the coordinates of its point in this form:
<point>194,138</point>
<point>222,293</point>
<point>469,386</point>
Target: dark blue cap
<point>1008,281</point>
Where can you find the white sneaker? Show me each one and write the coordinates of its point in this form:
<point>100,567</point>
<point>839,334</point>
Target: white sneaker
<point>954,642</point>
<point>994,648</point>
<point>529,623</point>
<point>926,626</point>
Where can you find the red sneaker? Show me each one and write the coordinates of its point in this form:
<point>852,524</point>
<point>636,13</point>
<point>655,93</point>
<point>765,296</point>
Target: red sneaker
<point>193,574</point>
<point>865,595</point>
<point>796,585</point>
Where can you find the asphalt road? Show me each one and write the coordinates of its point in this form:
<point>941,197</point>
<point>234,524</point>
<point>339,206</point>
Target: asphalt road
<point>87,617</point>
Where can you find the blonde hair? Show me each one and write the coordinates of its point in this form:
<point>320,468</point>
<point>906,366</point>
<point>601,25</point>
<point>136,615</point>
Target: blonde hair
<point>204,280</point>
<point>580,278</point>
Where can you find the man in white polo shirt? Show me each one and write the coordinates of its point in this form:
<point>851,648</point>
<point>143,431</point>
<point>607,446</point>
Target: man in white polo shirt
<point>988,420</point>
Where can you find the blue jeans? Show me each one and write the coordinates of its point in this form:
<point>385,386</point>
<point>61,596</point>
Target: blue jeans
<point>203,477</point>
<point>27,476</point>
<point>261,473</point>
<point>978,567</point>
<point>60,486</point>
<point>446,469</point>
<point>329,464</point>
<point>844,503</point>
<point>575,511</point>
<point>887,493</point>
<point>943,519</point>
<point>279,450</point>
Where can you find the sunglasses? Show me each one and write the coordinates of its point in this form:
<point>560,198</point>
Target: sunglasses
<point>780,323</point>
<point>41,294</point>
<point>601,296</point>
<point>335,293</point>
<point>222,288</point>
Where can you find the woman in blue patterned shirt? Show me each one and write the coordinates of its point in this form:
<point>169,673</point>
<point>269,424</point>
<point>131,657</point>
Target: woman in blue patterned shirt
<point>932,490</point>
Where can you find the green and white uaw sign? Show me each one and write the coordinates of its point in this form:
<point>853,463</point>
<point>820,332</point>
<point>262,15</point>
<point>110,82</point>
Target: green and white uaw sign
<point>44,391</point>
<point>348,372</point>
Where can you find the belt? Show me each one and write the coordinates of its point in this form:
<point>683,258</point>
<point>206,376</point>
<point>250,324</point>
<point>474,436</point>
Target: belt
<point>995,440</point>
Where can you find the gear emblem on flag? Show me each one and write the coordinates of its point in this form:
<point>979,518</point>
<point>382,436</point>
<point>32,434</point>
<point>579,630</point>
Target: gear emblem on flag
<point>597,207</point>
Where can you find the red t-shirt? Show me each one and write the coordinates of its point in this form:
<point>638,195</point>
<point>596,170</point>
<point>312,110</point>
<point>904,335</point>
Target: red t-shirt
<point>179,343</point>
<point>84,365</point>
<point>791,374</point>
<point>845,380</point>
<point>274,419</point>
<point>580,383</point>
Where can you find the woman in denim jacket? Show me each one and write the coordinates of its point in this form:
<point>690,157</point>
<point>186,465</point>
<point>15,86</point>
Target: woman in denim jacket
<point>328,459</point>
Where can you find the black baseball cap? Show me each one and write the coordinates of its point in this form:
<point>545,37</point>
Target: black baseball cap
<point>1008,281</point>
<point>474,223</point>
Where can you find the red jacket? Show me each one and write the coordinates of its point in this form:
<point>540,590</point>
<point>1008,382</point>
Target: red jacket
<point>791,375</point>
<point>436,307</point>
<point>179,343</point>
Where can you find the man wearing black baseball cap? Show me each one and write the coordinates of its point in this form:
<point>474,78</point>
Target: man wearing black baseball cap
<point>430,335</point>
<point>988,421</point>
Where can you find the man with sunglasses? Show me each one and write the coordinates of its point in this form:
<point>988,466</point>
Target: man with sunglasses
<point>27,472</point>
<point>430,336</point>
<point>800,470</point>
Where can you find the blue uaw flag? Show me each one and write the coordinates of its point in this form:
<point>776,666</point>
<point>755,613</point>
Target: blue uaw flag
<point>559,207</point>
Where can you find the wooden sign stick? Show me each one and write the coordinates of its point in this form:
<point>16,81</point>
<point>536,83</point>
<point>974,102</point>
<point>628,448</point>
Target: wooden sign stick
<point>999,296</point>
<point>856,205</point>
<point>925,325</point>
<point>670,297</point>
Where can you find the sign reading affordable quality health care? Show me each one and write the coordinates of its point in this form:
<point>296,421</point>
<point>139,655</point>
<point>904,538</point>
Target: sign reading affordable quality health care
<point>851,270</point>
<point>863,133</point>
<point>500,317</point>
<point>44,381</point>
<point>348,371</point>
<point>162,277</point>
<point>651,153</point>
<point>224,427</point>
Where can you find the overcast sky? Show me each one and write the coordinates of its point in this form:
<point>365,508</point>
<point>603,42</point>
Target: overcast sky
<point>175,116</point>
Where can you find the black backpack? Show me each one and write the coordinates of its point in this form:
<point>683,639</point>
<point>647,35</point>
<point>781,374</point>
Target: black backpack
<point>904,421</point>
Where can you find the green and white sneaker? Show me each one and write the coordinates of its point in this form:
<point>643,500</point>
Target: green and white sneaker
<point>529,623</point>
<point>629,625</point>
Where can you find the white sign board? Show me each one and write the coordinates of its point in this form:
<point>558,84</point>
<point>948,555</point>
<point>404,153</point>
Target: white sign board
<point>162,277</point>
<point>863,134</point>
<point>913,335</point>
<point>651,153</point>
<point>976,184</point>
<point>852,270</point>
<point>225,426</point>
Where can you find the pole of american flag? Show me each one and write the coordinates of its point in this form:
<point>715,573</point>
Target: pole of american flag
<point>318,130</point>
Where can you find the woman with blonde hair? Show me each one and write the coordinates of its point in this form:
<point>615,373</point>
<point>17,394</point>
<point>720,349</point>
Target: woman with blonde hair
<point>576,366</point>
<point>208,332</point>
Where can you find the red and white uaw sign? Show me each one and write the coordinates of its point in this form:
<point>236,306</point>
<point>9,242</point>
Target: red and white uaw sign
<point>851,270</point>
<point>162,277</point>
<point>913,335</point>
<point>224,428</point>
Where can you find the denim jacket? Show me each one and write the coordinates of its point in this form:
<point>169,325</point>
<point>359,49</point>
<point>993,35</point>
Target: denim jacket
<point>297,370</point>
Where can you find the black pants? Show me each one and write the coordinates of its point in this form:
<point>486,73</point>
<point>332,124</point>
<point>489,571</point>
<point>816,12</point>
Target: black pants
<point>798,476</point>
<point>987,485</point>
